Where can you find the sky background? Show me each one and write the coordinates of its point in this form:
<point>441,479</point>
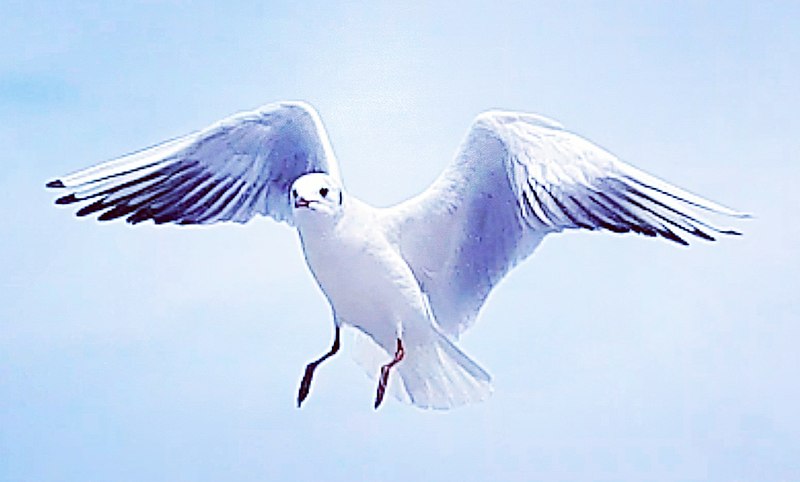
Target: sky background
<point>174,354</point>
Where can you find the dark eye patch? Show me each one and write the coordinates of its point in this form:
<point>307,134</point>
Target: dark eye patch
<point>323,191</point>
<point>294,192</point>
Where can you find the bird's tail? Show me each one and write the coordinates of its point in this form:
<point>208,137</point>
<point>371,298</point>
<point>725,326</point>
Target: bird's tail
<point>440,376</point>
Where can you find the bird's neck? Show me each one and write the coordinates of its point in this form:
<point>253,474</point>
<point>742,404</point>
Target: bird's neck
<point>321,233</point>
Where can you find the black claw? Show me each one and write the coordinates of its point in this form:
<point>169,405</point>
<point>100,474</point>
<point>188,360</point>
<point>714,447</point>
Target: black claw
<point>382,386</point>
<point>305,384</point>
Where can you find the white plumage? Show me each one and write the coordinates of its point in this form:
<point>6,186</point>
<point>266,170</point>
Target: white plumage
<point>413,276</point>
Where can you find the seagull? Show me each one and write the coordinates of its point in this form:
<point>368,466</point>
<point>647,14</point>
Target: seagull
<point>412,277</point>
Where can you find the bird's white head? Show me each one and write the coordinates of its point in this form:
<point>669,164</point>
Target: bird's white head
<point>316,196</point>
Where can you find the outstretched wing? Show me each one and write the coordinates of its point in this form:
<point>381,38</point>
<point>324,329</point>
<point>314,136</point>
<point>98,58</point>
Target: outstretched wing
<point>516,178</point>
<point>239,167</point>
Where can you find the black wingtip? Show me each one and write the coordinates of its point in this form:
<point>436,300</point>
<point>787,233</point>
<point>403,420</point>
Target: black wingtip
<point>57,184</point>
<point>91,208</point>
<point>68,199</point>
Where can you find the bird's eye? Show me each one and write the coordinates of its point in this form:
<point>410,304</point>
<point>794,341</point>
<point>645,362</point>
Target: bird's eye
<point>323,192</point>
<point>294,192</point>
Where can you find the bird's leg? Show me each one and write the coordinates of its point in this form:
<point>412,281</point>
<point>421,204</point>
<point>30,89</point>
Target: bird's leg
<point>305,384</point>
<point>384,378</point>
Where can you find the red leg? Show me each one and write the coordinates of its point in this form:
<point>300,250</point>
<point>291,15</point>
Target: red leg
<point>305,384</point>
<point>384,378</point>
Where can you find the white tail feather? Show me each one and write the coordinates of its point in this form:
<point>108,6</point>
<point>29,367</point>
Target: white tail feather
<point>434,375</point>
<point>438,375</point>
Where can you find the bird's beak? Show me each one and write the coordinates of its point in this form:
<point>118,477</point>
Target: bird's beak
<point>300,202</point>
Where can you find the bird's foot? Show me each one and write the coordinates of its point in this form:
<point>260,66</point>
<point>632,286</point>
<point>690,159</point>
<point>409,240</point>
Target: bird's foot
<point>305,384</point>
<point>383,381</point>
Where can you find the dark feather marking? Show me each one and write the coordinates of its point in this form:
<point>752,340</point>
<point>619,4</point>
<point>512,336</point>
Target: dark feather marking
<point>140,215</point>
<point>527,208</point>
<point>549,214</point>
<point>188,209</point>
<point>570,215</point>
<point>175,207</point>
<point>674,237</point>
<point>232,205</point>
<point>155,193</point>
<point>675,196</point>
<point>220,201</point>
<point>68,199</point>
<point>244,199</point>
<point>258,189</point>
<point>195,211</point>
<point>170,192</point>
<point>188,192</point>
<point>691,229</point>
<point>117,212</point>
<point>131,183</point>
<point>151,193</point>
<point>173,191</point>
<point>120,205</point>
<point>598,220</point>
<point>123,173</point>
<point>196,214</point>
<point>667,233</point>
<point>528,211</point>
<point>578,211</point>
<point>608,212</point>
<point>679,213</point>
<point>99,205</point>
<point>166,171</point>
<point>72,198</point>
<point>91,208</point>
<point>662,230</point>
<point>57,184</point>
<point>638,225</point>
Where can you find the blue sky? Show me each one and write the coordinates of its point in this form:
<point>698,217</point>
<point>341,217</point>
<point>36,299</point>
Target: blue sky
<point>174,353</point>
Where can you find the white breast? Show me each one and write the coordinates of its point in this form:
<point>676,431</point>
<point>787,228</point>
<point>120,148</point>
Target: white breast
<point>365,279</point>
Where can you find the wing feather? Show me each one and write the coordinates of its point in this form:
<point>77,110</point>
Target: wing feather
<point>230,171</point>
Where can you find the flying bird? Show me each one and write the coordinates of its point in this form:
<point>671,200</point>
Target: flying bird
<point>413,276</point>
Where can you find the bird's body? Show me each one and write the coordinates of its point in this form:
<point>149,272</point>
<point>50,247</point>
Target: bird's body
<point>414,276</point>
<point>361,273</point>
<point>355,258</point>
